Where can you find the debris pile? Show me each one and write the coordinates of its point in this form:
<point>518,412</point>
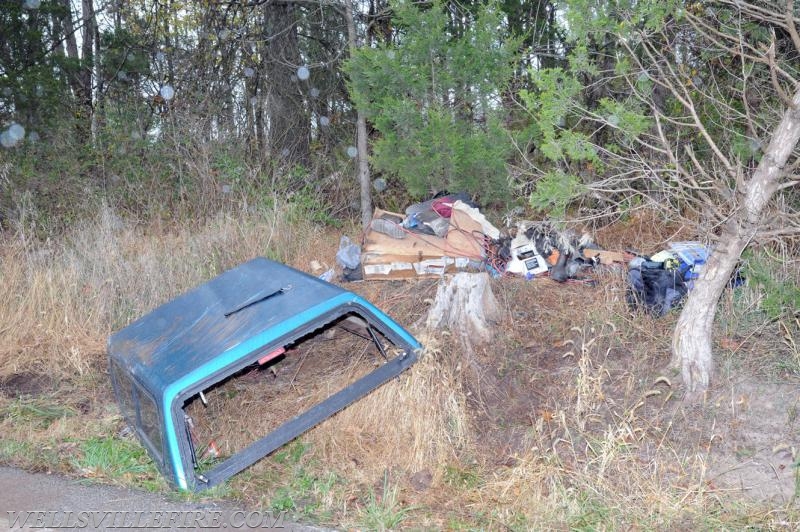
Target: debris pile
<point>658,283</point>
<point>449,233</point>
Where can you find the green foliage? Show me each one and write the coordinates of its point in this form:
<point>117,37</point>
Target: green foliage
<point>781,293</point>
<point>434,99</point>
<point>125,59</point>
<point>627,120</point>
<point>120,460</point>
<point>553,193</point>
<point>552,102</point>
<point>625,18</point>
<point>385,512</point>
<point>33,81</point>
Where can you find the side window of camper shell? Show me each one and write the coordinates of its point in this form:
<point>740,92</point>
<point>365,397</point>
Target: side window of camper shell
<point>149,422</point>
<point>139,409</point>
<point>125,393</point>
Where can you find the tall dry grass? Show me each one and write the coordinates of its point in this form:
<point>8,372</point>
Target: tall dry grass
<point>601,453</point>
<point>416,422</point>
<point>597,461</point>
<point>59,300</point>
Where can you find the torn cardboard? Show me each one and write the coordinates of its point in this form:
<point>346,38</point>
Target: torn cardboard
<point>421,256</point>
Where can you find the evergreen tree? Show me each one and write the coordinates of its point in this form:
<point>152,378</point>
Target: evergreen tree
<point>435,99</point>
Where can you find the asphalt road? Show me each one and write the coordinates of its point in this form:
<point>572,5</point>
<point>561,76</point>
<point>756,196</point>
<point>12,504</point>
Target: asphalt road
<point>49,502</point>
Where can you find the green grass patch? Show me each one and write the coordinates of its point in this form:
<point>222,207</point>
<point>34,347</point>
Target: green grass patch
<point>39,412</point>
<point>385,512</point>
<point>461,477</point>
<point>292,481</point>
<point>118,460</point>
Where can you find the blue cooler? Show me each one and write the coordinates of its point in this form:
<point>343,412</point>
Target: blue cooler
<point>692,256</point>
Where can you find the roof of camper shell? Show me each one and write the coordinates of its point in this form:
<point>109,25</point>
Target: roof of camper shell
<point>235,314</point>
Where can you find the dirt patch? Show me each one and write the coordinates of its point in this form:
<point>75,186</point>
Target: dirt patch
<point>26,384</point>
<point>558,351</point>
<point>754,439</point>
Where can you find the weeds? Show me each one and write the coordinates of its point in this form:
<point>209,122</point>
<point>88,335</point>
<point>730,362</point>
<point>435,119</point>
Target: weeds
<point>583,435</point>
<point>384,512</point>
<point>38,412</point>
<point>116,460</point>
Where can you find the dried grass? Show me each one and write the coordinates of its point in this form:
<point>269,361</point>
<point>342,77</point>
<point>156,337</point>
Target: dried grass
<point>600,448</point>
<point>258,399</point>
<point>59,301</point>
<point>595,463</point>
<point>414,423</point>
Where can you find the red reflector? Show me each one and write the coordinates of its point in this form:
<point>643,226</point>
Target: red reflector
<point>266,358</point>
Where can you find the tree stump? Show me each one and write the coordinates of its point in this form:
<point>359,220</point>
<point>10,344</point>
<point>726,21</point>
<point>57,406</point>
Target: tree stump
<point>467,307</point>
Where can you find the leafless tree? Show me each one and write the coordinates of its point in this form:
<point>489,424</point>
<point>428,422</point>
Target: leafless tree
<point>720,83</point>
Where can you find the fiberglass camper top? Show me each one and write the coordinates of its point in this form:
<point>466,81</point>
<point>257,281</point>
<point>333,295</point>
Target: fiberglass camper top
<point>204,336</point>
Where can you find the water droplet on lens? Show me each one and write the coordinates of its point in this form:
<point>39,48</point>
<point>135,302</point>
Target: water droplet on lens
<point>160,56</point>
<point>224,34</point>
<point>16,131</point>
<point>285,152</point>
<point>7,91</point>
<point>324,121</point>
<point>249,72</point>
<point>6,141</point>
<point>33,137</point>
<point>379,184</point>
<point>226,189</point>
<point>352,152</point>
<point>31,4</point>
<point>167,92</point>
<point>314,92</point>
<point>613,120</point>
<point>303,73</point>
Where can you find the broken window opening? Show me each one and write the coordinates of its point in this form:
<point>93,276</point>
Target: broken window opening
<point>255,400</point>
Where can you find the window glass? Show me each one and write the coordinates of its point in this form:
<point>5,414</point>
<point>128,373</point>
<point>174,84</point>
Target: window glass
<point>124,393</point>
<point>151,425</point>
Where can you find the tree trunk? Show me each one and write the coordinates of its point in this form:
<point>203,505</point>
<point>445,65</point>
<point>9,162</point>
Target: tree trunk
<point>85,75</point>
<point>691,341</point>
<point>361,132</point>
<point>289,129</point>
<point>467,307</point>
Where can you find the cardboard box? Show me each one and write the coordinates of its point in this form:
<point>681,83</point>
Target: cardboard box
<point>606,257</point>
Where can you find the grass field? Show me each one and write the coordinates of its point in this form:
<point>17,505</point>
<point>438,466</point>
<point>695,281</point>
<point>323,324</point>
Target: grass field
<point>570,419</point>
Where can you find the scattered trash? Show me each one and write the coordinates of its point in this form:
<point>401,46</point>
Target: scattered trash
<point>658,283</point>
<point>349,254</point>
<point>448,233</point>
<point>389,224</point>
<point>692,256</point>
<point>654,288</point>
<point>423,243</point>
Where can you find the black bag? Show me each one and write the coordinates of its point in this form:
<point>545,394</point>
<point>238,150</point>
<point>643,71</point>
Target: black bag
<point>655,289</point>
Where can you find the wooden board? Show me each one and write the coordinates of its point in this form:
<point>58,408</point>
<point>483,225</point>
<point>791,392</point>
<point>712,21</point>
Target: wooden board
<point>418,255</point>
